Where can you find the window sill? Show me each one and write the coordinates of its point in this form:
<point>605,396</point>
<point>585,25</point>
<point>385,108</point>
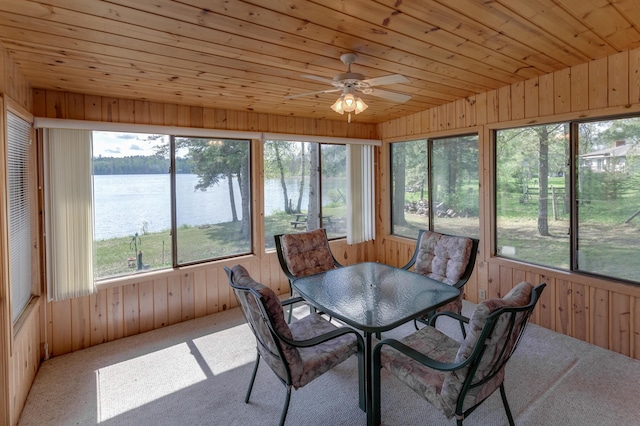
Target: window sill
<point>32,306</point>
<point>168,272</point>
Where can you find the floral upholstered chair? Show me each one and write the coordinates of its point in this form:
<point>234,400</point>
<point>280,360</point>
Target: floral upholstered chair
<point>457,377</point>
<point>298,352</point>
<point>446,258</point>
<point>304,254</point>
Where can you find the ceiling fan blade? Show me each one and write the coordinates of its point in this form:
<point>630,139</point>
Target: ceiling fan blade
<point>312,93</point>
<point>386,79</point>
<point>318,78</point>
<point>392,96</point>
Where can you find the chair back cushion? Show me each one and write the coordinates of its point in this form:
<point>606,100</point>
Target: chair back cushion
<point>443,257</point>
<point>307,253</point>
<point>266,341</point>
<point>500,342</point>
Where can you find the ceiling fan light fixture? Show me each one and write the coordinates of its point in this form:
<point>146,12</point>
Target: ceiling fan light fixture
<point>349,103</point>
<point>349,83</point>
<point>337,106</point>
<point>360,106</point>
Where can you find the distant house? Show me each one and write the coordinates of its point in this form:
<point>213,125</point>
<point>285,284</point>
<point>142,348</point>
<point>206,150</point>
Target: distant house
<point>610,159</point>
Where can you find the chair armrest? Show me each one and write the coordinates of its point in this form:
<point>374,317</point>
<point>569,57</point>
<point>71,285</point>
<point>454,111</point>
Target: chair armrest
<point>287,274</point>
<point>460,318</point>
<point>416,356</point>
<point>414,257</point>
<point>409,264</point>
<point>291,301</point>
<point>324,337</point>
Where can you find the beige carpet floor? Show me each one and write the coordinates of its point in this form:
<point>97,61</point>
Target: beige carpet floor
<point>197,372</point>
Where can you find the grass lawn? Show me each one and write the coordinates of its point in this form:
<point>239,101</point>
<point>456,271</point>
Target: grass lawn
<point>195,243</point>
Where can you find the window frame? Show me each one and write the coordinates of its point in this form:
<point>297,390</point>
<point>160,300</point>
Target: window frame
<point>429,140</point>
<point>173,206</point>
<point>572,167</point>
<point>269,245</point>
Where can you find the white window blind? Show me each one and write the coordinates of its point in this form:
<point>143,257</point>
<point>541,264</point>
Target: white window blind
<point>360,194</point>
<point>68,196</point>
<point>20,226</point>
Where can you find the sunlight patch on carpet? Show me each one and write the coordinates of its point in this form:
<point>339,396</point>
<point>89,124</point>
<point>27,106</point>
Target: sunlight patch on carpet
<point>135,382</point>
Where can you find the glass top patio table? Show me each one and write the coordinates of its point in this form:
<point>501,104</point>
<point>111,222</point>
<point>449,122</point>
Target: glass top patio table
<point>373,297</point>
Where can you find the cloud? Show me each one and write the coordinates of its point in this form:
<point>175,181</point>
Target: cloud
<point>115,144</point>
<point>126,136</point>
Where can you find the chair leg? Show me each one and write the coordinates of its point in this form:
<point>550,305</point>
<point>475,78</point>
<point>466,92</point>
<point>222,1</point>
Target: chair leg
<point>286,406</point>
<point>506,405</point>
<point>253,378</point>
<point>290,313</point>
<point>424,320</point>
<point>291,305</point>
<point>362,389</point>
<point>464,331</point>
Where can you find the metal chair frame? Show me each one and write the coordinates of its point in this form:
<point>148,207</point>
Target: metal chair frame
<point>278,338</point>
<point>472,362</point>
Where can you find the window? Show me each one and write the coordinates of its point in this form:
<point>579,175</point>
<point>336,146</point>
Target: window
<point>434,185</point>
<point>20,191</point>
<point>334,189</point>
<point>454,186</point>
<point>305,188</point>
<point>162,201</point>
<point>213,214</point>
<point>608,198</point>
<point>409,187</point>
<point>532,204</point>
<point>581,218</point>
<point>132,203</point>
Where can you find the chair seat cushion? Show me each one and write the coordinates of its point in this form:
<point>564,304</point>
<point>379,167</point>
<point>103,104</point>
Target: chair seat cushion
<point>423,380</point>
<point>318,359</point>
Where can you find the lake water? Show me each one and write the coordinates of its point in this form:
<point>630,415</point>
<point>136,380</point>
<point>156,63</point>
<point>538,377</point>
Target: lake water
<point>127,203</point>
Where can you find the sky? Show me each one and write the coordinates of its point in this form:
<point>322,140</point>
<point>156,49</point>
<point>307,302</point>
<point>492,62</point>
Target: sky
<point>112,144</point>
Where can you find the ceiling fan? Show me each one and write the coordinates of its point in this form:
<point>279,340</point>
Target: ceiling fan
<point>351,82</point>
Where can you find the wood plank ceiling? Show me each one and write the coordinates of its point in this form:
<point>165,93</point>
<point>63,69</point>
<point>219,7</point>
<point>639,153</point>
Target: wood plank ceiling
<point>249,55</point>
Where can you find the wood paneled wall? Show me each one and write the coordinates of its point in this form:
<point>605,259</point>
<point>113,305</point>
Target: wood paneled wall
<point>605,86</point>
<point>12,82</point>
<point>154,300</point>
<point>54,104</point>
<point>603,312</point>
<point>24,361</point>
<point>164,298</point>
